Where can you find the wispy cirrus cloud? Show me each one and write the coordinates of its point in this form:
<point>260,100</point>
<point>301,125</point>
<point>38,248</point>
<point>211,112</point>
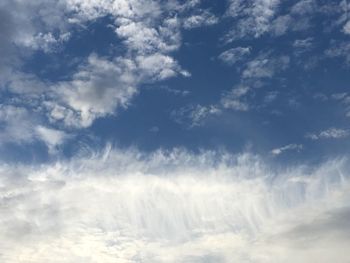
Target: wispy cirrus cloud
<point>179,207</point>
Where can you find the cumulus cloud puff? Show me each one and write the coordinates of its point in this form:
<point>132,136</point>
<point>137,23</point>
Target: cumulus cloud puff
<point>100,86</point>
<point>126,206</point>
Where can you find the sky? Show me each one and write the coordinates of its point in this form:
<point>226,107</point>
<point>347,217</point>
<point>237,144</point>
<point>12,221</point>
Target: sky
<point>174,131</point>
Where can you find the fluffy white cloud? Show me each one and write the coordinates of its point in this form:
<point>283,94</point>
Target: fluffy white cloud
<point>52,138</point>
<point>159,67</point>
<point>30,29</point>
<point>96,90</point>
<point>100,86</point>
<point>127,206</point>
<point>254,17</point>
<point>331,133</point>
<point>20,126</point>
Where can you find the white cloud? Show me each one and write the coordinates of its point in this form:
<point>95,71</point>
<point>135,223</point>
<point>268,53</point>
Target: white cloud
<point>265,66</point>
<point>17,124</point>
<point>175,91</point>
<point>303,44</point>
<point>346,28</point>
<point>254,17</point>
<point>270,97</point>
<point>297,19</point>
<point>100,86</point>
<point>20,126</point>
<point>339,96</point>
<point>144,39</point>
<point>204,18</point>
<point>236,98</point>
<point>281,25</point>
<point>27,28</point>
<point>304,7</point>
<point>195,115</point>
<point>52,138</point>
<point>331,133</point>
<point>233,55</point>
<point>339,49</point>
<point>289,147</point>
<point>96,90</point>
<point>159,67</point>
<point>127,206</point>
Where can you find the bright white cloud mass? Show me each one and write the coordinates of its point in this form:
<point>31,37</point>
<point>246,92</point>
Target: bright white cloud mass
<point>125,206</point>
<point>229,122</point>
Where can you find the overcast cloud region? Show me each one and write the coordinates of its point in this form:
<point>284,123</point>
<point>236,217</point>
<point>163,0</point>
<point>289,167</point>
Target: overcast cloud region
<point>174,131</point>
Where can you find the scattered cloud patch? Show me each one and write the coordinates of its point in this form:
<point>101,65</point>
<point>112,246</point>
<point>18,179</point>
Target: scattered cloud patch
<point>236,99</point>
<point>303,45</point>
<point>233,55</point>
<point>265,65</point>
<point>289,147</point>
<point>100,86</point>
<point>252,18</point>
<point>346,28</point>
<point>194,116</point>
<point>339,96</point>
<point>204,18</point>
<point>339,50</point>
<point>270,97</point>
<point>51,137</point>
<point>19,126</point>
<point>331,133</point>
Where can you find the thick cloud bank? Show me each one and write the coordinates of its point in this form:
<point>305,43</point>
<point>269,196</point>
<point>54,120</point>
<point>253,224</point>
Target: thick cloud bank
<point>125,206</point>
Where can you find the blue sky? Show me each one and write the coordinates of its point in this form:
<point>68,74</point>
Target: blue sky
<point>236,84</point>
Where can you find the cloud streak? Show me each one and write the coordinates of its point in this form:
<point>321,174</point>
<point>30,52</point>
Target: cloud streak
<point>289,147</point>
